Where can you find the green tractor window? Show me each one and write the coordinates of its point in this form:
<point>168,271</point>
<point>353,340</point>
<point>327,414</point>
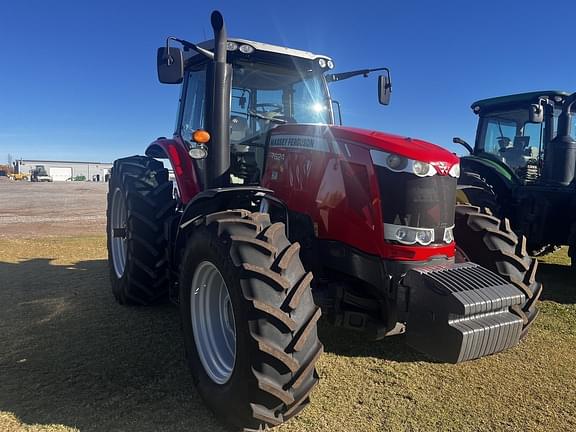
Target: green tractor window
<point>512,139</point>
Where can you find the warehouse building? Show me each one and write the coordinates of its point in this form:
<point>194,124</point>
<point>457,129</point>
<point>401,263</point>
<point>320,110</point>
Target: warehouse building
<point>67,170</point>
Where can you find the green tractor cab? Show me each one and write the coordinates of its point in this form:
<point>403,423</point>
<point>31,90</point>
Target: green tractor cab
<point>522,166</point>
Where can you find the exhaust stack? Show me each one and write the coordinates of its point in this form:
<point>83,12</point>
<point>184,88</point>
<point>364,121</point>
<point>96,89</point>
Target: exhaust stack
<point>219,81</point>
<point>561,160</point>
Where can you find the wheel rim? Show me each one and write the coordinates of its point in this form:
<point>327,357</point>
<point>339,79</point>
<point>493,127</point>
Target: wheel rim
<point>118,227</point>
<point>213,322</point>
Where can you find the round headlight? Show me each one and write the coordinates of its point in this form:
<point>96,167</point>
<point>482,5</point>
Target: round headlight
<point>401,234</point>
<point>231,46</point>
<point>246,49</point>
<point>396,163</point>
<point>322,63</point>
<point>424,237</point>
<point>330,64</point>
<point>420,168</point>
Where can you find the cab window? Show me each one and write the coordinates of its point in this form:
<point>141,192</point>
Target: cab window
<point>194,104</point>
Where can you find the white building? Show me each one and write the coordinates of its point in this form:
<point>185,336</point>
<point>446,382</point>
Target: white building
<point>67,170</point>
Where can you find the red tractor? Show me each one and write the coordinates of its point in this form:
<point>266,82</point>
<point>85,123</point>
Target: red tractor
<point>270,191</point>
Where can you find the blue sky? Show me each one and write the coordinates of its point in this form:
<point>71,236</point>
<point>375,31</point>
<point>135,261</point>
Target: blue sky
<point>78,79</point>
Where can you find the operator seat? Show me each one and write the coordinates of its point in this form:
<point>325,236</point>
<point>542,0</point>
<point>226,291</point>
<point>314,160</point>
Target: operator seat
<point>518,155</point>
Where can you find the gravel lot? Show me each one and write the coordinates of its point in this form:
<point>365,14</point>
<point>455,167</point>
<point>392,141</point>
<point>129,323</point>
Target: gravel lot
<point>71,359</point>
<point>52,209</point>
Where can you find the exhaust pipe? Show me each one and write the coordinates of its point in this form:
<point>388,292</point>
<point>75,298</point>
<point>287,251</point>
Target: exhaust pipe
<point>219,81</point>
<point>562,152</point>
<point>564,123</point>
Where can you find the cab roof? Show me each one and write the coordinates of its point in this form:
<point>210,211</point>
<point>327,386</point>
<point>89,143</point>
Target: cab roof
<point>261,46</point>
<point>515,100</point>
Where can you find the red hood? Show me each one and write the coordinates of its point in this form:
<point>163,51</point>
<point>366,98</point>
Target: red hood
<point>404,146</point>
<point>408,147</point>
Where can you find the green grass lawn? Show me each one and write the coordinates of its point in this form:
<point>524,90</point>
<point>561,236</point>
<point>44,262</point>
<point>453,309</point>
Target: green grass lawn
<point>72,359</point>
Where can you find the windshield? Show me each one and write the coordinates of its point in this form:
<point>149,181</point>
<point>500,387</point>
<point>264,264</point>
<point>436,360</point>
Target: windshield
<point>512,139</point>
<point>266,95</point>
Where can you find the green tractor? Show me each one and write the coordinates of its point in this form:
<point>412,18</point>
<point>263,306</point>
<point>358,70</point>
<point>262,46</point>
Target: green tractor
<point>522,167</point>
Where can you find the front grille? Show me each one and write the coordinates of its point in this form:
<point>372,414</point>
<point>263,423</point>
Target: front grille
<point>421,202</point>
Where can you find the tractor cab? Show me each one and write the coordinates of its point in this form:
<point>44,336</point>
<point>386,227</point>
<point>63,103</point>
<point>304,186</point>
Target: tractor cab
<point>271,86</point>
<point>516,132</point>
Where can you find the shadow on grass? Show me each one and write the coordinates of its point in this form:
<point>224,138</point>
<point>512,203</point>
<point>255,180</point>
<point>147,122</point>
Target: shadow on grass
<point>559,283</point>
<point>70,355</point>
<point>346,342</point>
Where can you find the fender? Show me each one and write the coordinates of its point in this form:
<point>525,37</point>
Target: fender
<point>204,203</point>
<point>484,161</point>
<point>499,175</point>
<point>220,199</point>
<point>176,151</point>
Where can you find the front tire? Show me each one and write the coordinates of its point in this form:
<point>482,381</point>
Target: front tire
<point>263,376</point>
<point>479,192</point>
<point>139,203</point>
<point>490,242</point>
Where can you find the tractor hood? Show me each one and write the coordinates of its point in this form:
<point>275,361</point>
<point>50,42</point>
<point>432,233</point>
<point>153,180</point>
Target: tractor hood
<point>403,146</point>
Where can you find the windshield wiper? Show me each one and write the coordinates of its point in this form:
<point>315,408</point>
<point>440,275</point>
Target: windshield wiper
<point>263,117</point>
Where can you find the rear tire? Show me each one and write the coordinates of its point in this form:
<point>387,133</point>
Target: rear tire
<point>490,242</point>
<point>139,202</point>
<point>276,342</point>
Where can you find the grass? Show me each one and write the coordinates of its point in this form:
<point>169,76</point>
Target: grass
<point>72,359</point>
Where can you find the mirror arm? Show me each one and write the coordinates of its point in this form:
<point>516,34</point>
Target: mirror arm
<point>184,43</point>
<point>457,140</point>
<point>346,75</point>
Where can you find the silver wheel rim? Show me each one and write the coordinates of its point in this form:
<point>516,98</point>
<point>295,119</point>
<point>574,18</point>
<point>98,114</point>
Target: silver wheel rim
<point>213,322</point>
<point>118,224</point>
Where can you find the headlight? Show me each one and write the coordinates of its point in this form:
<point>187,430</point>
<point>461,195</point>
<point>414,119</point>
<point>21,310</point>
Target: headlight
<point>246,49</point>
<point>199,151</point>
<point>322,62</point>
<point>399,163</point>
<point>396,163</point>
<point>422,169</point>
<point>455,170</point>
<point>231,46</point>
<point>408,235</point>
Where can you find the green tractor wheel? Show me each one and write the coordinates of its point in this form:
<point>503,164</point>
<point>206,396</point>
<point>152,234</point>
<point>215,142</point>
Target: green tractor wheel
<point>490,242</point>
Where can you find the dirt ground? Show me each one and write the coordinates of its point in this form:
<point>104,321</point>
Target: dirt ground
<point>52,209</point>
<point>71,359</point>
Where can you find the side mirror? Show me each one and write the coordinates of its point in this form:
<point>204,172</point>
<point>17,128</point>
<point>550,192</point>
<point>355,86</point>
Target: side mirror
<point>535,113</point>
<point>384,89</point>
<point>170,65</point>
